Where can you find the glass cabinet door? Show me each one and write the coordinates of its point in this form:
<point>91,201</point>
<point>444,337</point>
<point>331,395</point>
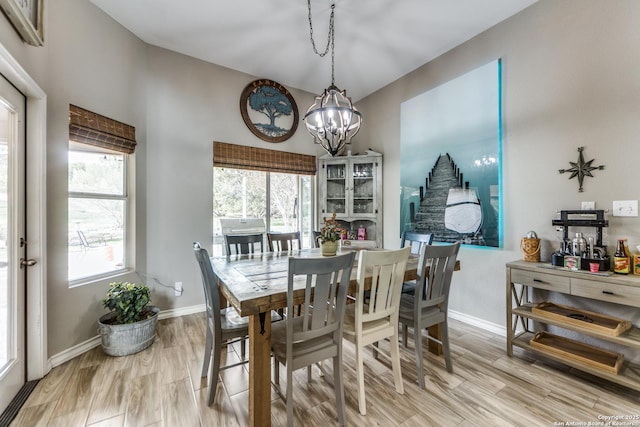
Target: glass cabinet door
<point>336,188</point>
<point>363,188</point>
<point>351,186</point>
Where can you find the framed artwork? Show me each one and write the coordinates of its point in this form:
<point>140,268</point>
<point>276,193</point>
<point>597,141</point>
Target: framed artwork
<point>450,159</point>
<point>269,110</point>
<point>26,18</point>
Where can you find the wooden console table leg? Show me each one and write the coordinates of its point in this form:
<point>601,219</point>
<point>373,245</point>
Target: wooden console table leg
<point>259,372</point>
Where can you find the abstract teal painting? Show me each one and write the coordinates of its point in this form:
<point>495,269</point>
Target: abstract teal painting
<point>450,158</point>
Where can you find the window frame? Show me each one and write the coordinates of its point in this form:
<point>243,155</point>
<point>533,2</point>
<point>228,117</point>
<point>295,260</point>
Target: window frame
<point>267,219</point>
<point>128,202</point>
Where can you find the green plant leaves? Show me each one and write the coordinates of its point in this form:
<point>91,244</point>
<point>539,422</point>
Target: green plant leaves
<point>128,301</point>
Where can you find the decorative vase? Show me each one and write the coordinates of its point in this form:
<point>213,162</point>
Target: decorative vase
<point>329,248</point>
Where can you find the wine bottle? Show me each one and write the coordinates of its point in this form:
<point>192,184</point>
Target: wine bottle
<point>620,259</point>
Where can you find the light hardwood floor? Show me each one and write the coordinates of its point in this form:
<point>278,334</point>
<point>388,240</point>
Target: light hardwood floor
<point>161,386</point>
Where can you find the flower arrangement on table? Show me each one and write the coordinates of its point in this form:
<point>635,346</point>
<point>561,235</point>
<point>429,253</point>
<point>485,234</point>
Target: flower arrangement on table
<point>330,231</point>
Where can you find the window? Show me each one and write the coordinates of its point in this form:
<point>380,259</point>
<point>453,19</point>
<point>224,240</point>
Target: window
<point>100,225</point>
<point>286,206</point>
<point>275,186</point>
<point>97,212</point>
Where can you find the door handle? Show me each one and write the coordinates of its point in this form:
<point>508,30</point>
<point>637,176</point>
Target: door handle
<point>27,262</point>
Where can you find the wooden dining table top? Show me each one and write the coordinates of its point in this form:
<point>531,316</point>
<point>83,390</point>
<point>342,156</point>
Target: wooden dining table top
<point>257,283</point>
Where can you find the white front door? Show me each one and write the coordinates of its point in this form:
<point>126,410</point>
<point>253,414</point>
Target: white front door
<point>12,242</point>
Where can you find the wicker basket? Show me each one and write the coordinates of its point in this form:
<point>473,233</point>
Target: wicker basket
<point>530,249</point>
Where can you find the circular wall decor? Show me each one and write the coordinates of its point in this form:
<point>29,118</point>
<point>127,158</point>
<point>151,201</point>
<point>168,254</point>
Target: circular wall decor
<point>269,110</point>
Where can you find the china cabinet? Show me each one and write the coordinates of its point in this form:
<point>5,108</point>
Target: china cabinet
<point>351,186</point>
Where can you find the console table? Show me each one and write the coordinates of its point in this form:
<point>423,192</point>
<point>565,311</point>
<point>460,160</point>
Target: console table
<point>522,311</point>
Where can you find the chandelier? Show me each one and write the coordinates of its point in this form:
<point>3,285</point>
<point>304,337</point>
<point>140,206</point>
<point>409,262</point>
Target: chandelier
<point>332,120</point>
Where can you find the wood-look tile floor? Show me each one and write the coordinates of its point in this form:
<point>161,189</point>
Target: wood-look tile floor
<point>161,386</point>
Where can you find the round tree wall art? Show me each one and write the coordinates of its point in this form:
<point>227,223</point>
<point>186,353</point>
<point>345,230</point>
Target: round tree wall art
<point>269,110</point>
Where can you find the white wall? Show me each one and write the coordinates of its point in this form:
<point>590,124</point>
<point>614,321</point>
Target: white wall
<point>89,61</point>
<point>190,104</point>
<point>570,79</point>
<point>178,106</point>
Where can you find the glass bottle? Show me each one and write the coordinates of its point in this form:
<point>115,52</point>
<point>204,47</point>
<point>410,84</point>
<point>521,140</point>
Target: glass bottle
<point>620,259</point>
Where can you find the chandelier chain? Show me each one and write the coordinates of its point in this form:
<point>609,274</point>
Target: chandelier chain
<point>330,38</point>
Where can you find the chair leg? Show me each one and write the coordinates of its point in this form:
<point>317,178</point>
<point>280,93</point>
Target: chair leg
<point>375,351</point>
<point>207,352</point>
<point>338,384</point>
<point>395,362</point>
<point>276,371</point>
<point>417,340</point>
<point>362,404</point>
<point>444,331</point>
<point>213,377</point>
<point>243,349</point>
<point>289,396</point>
<point>405,330</point>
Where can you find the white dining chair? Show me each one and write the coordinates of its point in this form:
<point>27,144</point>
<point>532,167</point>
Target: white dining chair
<point>376,319</point>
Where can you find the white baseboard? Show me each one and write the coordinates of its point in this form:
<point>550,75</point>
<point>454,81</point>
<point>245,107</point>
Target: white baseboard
<point>184,311</point>
<point>89,344</point>
<point>77,350</point>
<point>479,323</point>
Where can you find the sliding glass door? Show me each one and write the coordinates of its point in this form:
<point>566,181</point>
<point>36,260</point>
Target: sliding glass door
<point>283,201</point>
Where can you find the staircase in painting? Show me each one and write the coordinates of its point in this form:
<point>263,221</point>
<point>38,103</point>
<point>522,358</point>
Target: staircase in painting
<point>430,217</point>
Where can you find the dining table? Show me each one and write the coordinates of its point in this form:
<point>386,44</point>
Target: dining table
<point>255,284</point>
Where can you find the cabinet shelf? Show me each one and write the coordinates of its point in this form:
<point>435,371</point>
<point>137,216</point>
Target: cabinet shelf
<point>578,352</point>
<point>628,376</point>
<point>630,338</point>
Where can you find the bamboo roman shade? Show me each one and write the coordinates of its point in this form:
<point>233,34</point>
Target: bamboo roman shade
<point>100,131</point>
<point>262,159</point>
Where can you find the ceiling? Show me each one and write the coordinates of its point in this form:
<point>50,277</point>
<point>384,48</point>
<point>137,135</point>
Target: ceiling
<point>376,41</point>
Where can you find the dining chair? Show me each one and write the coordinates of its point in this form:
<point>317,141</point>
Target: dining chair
<point>416,241</point>
<point>243,243</point>
<point>224,325</point>
<point>282,242</point>
<point>316,239</point>
<point>428,306</point>
<point>316,334</point>
<point>377,319</point>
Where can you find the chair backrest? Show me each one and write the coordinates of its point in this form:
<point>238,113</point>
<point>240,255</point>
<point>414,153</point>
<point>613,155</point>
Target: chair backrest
<point>435,285</point>
<point>211,293</point>
<point>316,239</point>
<point>415,240</point>
<point>386,269</point>
<point>243,243</point>
<point>326,283</point>
<point>284,241</point>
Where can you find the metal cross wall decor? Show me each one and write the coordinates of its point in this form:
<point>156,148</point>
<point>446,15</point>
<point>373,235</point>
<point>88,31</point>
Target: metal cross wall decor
<point>581,168</point>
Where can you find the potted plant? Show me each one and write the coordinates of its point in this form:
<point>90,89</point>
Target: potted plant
<point>130,326</point>
<point>330,233</point>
